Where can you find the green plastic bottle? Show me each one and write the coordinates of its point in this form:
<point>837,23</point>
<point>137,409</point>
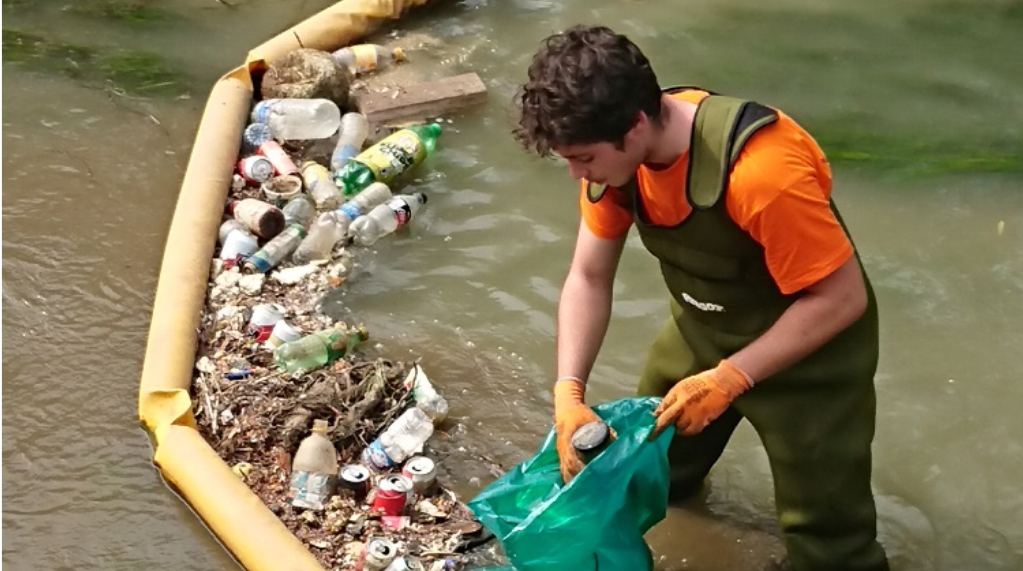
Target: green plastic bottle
<point>316,350</point>
<point>392,156</point>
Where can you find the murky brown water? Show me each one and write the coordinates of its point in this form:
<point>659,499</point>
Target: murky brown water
<point>90,178</point>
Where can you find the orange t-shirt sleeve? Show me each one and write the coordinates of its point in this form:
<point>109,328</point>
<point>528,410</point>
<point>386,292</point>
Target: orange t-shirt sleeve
<point>784,205</point>
<point>608,217</point>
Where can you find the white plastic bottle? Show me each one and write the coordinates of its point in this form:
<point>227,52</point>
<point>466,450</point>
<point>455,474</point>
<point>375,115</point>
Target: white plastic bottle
<point>386,218</point>
<point>298,119</point>
<point>314,469</point>
<point>426,396</point>
<point>354,130</point>
<point>362,58</point>
<point>402,439</point>
<point>327,230</point>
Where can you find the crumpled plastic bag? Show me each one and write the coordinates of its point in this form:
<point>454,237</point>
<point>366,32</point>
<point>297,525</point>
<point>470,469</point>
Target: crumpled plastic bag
<point>598,520</point>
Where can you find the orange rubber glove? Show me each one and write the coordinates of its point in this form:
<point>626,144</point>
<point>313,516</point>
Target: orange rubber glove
<point>570,413</point>
<point>694,402</point>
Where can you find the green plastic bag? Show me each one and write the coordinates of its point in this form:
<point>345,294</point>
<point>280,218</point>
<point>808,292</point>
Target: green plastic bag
<point>598,520</point>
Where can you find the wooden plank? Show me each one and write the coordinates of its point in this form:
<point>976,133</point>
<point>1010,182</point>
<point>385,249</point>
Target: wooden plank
<point>421,100</point>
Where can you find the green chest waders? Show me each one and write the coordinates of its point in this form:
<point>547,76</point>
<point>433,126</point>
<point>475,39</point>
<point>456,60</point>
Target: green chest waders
<point>815,419</point>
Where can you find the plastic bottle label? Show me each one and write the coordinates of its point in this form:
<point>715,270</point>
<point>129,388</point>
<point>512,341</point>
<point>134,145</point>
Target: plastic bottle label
<point>351,210</point>
<point>310,491</point>
<point>375,456</point>
<point>393,156</point>
<point>365,58</point>
<point>261,114</point>
<point>402,211</point>
<point>345,154</point>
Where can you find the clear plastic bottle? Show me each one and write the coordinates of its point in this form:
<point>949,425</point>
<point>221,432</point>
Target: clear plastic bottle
<point>425,395</point>
<point>316,350</point>
<point>372,196</point>
<point>328,229</point>
<point>386,218</point>
<point>320,185</point>
<point>389,158</point>
<point>363,58</point>
<point>228,226</point>
<point>314,469</point>
<point>275,251</point>
<point>354,130</point>
<point>402,439</point>
<point>262,218</point>
<point>298,119</point>
<point>301,210</point>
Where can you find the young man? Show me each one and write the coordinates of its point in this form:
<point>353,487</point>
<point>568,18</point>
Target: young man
<point>772,318</point>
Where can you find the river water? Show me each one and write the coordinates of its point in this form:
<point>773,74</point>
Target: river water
<point>920,103</point>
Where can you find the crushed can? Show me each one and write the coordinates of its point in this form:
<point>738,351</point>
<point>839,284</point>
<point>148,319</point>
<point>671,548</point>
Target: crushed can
<point>377,554</point>
<point>265,317</point>
<point>422,472</point>
<point>277,156</point>
<point>355,477</point>
<point>392,495</point>
<point>255,169</point>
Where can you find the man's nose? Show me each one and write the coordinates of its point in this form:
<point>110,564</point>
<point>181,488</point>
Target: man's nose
<point>577,172</point>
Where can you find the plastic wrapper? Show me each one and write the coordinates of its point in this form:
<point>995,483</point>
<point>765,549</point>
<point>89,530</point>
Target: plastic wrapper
<point>597,521</point>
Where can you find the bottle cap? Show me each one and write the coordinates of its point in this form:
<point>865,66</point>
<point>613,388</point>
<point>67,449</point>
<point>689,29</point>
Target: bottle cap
<point>590,436</point>
<point>399,55</point>
<point>320,425</point>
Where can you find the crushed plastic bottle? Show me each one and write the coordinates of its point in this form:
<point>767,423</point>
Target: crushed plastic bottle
<point>363,58</point>
<point>354,130</point>
<point>316,350</point>
<point>320,185</point>
<point>392,156</point>
<point>404,438</point>
<point>314,469</point>
<point>386,218</point>
<point>298,119</point>
<point>425,395</point>
<point>328,229</point>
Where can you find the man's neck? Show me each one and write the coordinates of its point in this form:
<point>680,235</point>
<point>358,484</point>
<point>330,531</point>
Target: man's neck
<point>672,140</point>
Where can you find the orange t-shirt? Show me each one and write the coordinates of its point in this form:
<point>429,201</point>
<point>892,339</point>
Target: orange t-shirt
<point>778,192</point>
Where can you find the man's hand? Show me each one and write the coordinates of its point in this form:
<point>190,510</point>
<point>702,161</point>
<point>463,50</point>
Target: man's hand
<point>570,413</point>
<point>694,402</point>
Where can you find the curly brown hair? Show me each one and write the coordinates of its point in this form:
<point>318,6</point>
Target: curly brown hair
<point>586,85</point>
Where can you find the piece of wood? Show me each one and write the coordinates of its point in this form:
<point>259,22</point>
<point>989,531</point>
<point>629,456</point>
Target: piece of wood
<point>421,100</point>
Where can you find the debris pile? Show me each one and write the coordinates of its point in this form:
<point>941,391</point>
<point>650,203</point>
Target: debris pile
<point>330,438</point>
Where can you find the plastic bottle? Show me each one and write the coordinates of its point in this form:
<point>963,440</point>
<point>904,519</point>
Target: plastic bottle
<point>299,210</point>
<point>354,130</point>
<point>262,218</point>
<point>314,469</point>
<point>425,395</point>
<point>254,136</point>
<point>386,218</point>
<point>275,251</point>
<point>389,158</point>
<point>371,197</point>
<point>328,229</point>
<point>320,185</point>
<point>228,226</point>
<point>316,350</point>
<point>362,58</point>
<point>402,439</point>
<point>298,119</point>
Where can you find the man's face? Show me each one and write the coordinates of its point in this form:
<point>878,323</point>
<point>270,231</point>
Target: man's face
<point>603,163</point>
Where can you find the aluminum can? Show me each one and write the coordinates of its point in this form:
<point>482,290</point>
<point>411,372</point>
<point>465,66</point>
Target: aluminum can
<point>377,554</point>
<point>283,332</point>
<point>423,473</point>
<point>276,154</point>
<point>255,169</point>
<point>255,135</point>
<point>265,317</point>
<point>589,440</point>
<point>392,495</point>
<point>355,477</point>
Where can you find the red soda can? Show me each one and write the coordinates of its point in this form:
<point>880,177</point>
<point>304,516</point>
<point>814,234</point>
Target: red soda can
<point>279,158</point>
<point>392,495</point>
<point>255,169</point>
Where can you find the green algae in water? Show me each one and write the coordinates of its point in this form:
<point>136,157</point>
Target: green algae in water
<point>131,13</point>
<point>134,71</point>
